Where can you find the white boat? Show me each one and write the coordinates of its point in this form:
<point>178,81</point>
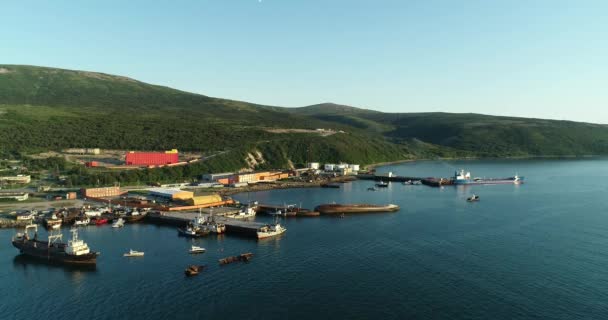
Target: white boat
<point>82,221</point>
<point>118,223</point>
<point>94,212</point>
<point>53,222</point>
<point>270,230</point>
<point>133,253</point>
<point>195,249</point>
<point>244,213</point>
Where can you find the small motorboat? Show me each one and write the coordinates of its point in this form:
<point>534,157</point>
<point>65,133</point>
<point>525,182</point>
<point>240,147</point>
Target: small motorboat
<point>382,184</point>
<point>194,270</point>
<point>118,223</point>
<point>409,182</point>
<point>133,253</point>
<point>101,221</point>
<point>473,198</point>
<point>196,249</point>
<point>372,189</point>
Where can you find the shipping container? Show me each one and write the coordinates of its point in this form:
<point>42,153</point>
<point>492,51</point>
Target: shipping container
<point>71,195</point>
<point>92,164</point>
<point>223,181</point>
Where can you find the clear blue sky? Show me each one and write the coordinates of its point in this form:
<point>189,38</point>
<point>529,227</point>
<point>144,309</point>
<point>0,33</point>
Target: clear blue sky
<point>544,59</point>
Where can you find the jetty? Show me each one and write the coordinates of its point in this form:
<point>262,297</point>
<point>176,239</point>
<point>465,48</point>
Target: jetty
<point>181,219</point>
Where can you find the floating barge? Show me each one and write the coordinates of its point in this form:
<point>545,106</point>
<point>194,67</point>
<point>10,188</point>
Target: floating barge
<point>286,210</point>
<point>355,208</point>
<point>244,257</point>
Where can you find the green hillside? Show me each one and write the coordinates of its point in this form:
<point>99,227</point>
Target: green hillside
<point>44,109</point>
<point>51,109</point>
<point>481,135</point>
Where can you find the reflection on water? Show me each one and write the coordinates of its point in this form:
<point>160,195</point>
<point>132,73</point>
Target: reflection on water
<point>23,262</point>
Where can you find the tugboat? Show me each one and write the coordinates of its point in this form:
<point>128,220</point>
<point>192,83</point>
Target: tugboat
<point>75,251</point>
<point>271,230</point>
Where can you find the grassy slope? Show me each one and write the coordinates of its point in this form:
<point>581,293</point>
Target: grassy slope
<point>46,108</point>
<point>475,134</point>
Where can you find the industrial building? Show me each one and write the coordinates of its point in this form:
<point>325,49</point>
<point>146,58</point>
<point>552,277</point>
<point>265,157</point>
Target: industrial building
<point>133,158</point>
<point>19,196</point>
<point>101,192</point>
<point>173,194</point>
<point>313,165</point>
<point>247,178</point>
<point>217,176</point>
<point>94,151</point>
<point>16,179</point>
<point>204,200</point>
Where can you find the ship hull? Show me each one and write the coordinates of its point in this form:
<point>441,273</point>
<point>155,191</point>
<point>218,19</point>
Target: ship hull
<point>354,208</point>
<point>488,181</point>
<point>55,253</point>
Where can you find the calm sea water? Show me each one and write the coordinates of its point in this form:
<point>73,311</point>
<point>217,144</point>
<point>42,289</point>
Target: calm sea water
<point>535,251</point>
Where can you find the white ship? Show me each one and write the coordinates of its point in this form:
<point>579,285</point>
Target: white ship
<point>271,230</point>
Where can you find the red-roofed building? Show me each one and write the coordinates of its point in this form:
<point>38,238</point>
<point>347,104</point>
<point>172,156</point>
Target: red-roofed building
<point>151,158</point>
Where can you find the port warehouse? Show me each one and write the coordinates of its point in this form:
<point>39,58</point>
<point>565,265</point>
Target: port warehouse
<point>19,196</point>
<point>152,158</point>
<point>253,177</point>
<point>171,194</point>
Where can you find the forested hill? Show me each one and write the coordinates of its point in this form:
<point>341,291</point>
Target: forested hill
<point>47,108</point>
<point>481,135</point>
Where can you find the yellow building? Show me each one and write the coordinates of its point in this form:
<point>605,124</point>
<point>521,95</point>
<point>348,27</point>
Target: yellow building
<point>201,200</point>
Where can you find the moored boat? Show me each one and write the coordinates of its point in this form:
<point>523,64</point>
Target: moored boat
<point>194,270</point>
<point>118,223</point>
<point>355,208</point>
<point>196,249</point>
<point>270,230</point>
<point>464,178</point>
<point>82,221</point>
<point>101,221</point>
<point>133,253</point>
<point>382,184</point>
<point>53,222</point>
<point>473,198</point>
<point>76,251</point>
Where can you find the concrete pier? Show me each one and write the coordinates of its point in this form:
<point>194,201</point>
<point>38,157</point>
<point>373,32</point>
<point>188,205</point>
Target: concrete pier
<point>235,226</point>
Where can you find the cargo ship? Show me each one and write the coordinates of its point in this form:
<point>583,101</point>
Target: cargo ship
<point>76,251</point>
<point>462,178</point>
<point>355,208</point>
